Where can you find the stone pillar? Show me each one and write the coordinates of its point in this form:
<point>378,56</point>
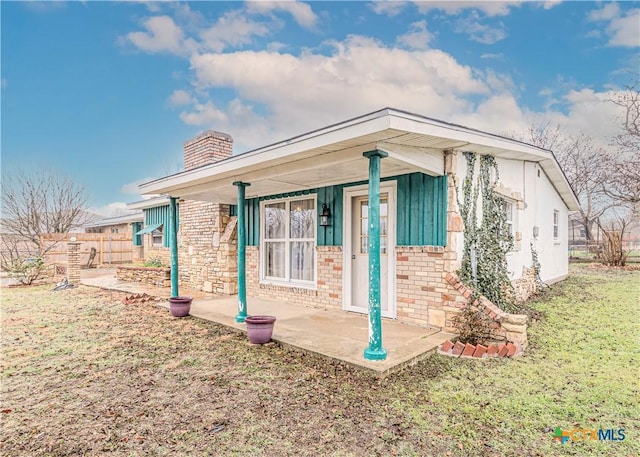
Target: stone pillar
<point>454,220</point>
<point>73,262</point>
<point>375,351</point>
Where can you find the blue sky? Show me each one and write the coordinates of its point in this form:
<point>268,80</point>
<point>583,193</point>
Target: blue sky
<point>109,91</point>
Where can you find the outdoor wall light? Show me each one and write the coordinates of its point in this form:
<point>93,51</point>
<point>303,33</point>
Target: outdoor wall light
<point>325,215</point>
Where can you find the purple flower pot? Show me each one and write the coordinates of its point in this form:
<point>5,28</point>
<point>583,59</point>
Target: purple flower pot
<point>180,306</point>
<point>260,328</point>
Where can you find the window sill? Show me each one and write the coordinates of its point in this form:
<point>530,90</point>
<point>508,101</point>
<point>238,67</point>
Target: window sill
<point>557,242</point>
<point>290,285</point>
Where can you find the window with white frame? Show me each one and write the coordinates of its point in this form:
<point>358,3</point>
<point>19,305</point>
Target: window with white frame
<point>156,238</point>
<point>288,240</point>
<point>509,209</point>
<point>556,222</point>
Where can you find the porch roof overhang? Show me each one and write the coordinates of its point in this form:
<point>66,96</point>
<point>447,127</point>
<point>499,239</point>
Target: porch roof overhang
<point>333,155</point>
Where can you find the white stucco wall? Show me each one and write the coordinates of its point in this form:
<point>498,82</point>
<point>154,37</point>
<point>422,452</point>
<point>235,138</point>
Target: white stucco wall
<point>540,201</point>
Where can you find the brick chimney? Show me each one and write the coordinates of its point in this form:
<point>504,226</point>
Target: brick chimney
<point>208,147</point>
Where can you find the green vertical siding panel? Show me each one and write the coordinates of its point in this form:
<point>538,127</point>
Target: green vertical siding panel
<point>160,215</point>
<point>137,239</point>
<point>337,213</point>
<point>402,211</point>
<point>415,209</point>
<point>420,211</point>
<point>442,214</point>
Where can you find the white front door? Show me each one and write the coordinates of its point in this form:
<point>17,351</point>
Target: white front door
<point>358,254</point>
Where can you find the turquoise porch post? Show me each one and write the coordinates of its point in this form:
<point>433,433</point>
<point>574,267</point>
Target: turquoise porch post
<point>173,244</point>
<point>242,251</point>
<point>375,351</point>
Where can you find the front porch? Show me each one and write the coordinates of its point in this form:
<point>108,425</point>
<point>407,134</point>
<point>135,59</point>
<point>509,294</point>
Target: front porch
<point>329,333</point>
<point>333,334</point>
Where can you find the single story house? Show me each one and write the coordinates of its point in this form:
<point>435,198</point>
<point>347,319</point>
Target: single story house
<point>360,216</point>
<point>125,224</point>
<point>150,235</point>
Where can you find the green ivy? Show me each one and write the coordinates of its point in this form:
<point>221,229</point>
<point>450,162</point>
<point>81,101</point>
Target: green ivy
<point>489,238</point>
<point>535,264</point>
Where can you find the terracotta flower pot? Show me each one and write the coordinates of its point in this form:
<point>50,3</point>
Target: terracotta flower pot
<point>260,328</point>
<point>180,306</point>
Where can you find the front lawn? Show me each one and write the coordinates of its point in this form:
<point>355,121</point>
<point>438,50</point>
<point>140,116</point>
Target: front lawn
<point>83,374</point>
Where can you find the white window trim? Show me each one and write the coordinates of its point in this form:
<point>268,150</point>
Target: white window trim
<point>312,285</point>
<point>556,223</point>
<point>161,244</point>
<point>514,221</point>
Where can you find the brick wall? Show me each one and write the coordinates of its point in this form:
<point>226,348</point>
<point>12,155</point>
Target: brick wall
<point>327,295</point>
<point>208,147</point>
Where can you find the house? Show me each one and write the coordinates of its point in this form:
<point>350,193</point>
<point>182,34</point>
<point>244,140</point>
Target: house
<point>150,233</point>
<point>125,224</point>
<point>360,216</point>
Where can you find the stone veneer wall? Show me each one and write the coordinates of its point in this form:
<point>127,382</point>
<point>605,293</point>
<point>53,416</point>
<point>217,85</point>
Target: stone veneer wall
<point>208,259</point>
<point>328,294</point>
<point>207,247</point>
<point>145,275</point>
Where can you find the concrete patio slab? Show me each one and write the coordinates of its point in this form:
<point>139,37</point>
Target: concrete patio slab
<point>333,334</point>
<point>329,333</point>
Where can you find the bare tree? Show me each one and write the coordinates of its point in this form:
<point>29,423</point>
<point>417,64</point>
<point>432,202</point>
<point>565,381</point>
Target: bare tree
<point>34,203</point>
<point>585,164</point>
<point>624,185</point>
<point>615,231</point>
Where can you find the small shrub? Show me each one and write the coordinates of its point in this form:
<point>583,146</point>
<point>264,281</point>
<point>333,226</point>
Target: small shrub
<point>473,325</point>
<point>26,269</point>
<point>154,263</point>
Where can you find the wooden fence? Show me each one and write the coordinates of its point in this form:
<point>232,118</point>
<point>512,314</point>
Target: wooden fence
<point>111,248</point>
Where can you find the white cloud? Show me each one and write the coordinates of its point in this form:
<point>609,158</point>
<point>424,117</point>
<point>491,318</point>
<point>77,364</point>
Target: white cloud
<point>132,187</point>
<point>547,5</point>
<point>479,32</point>
<point>625,31</point>
<point>489,55</point>
<point>206,114</point>
<point>418,37</point>
<point>161,35</point>
<point>489,8</point>
<point>233,29</point>
<point>111,210</point>
<point>180,97</point>
<point>606,13</point>
<point>622,29</point>
<point>4,83</point>
<point>297,93</point>
<point>389,8</point>
<point>300,11</point>
<point>498,114</point>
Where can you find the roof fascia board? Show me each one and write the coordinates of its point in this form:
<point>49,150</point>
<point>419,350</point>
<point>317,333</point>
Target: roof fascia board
<point>243,163</point>
<point>150,203</point>
<point>425,126</point>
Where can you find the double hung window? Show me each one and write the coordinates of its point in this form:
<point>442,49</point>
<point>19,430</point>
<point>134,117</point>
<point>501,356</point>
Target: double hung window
<point>288,240</point>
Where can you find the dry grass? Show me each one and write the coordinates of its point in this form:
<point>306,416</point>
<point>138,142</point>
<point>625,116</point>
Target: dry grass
<point>83,374</point>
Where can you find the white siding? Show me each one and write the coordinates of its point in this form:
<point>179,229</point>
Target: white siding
<point>541,199</point>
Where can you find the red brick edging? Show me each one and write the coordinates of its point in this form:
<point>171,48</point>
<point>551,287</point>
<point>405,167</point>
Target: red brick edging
<point>479,351</point>
<point>137,298</point>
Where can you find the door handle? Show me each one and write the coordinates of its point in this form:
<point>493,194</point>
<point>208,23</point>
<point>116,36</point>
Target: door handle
<point>353,257</point>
